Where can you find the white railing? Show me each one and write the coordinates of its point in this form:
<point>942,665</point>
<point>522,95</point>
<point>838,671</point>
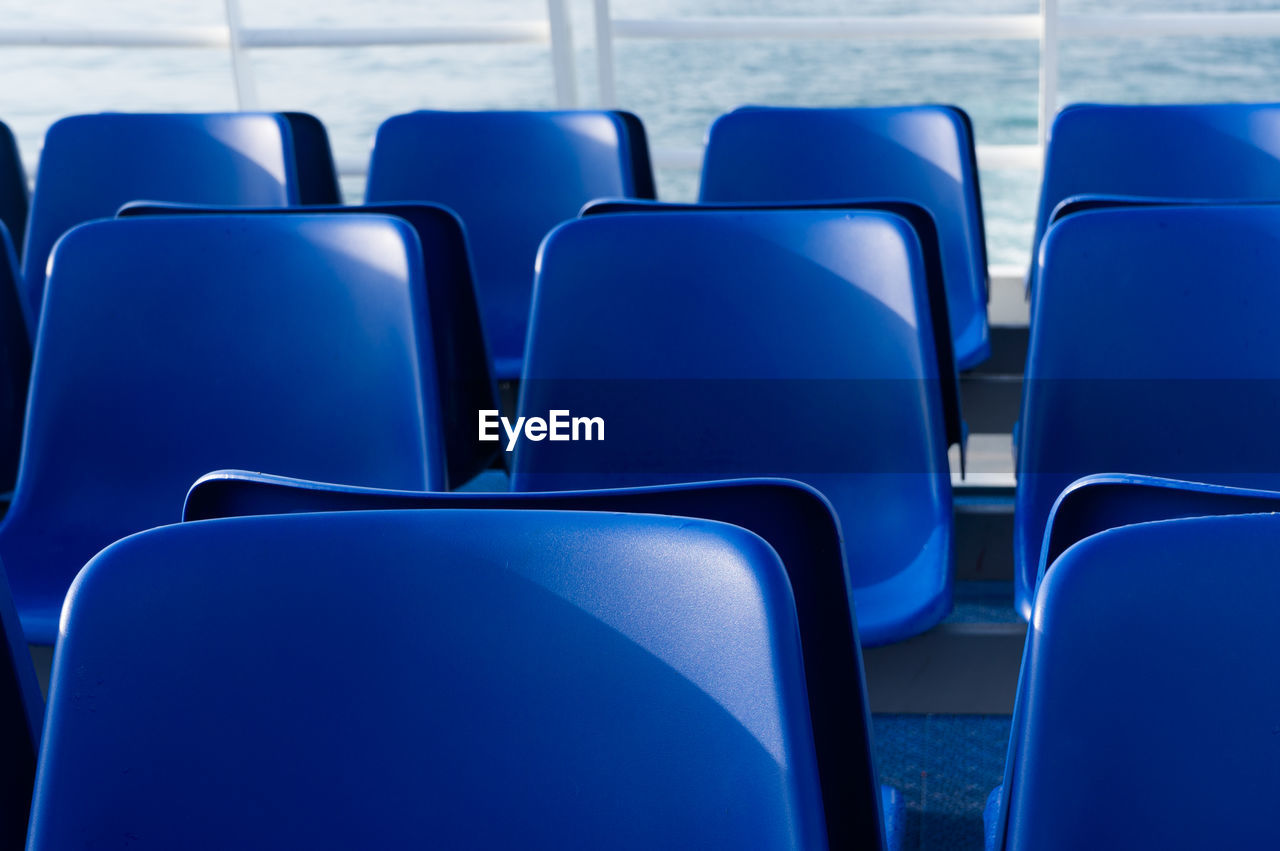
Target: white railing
<point>553,31</point>
<point>1047,28</point>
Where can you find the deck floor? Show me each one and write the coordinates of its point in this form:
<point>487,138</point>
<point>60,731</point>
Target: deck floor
<point>945,766</point>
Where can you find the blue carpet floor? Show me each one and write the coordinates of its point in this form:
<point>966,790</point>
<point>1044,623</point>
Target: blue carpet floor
<point>944,766</point>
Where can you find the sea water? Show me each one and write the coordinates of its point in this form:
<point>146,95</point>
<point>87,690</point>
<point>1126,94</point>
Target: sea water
<point>677,87</point>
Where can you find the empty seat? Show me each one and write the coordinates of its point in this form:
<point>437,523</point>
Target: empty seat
<point>13,187</point>
<point>922,154</point>
<point>1153,351</point>
<point>1224,151</point>
<point>483,679</point>
<point>295,344</point>
<point>1146,713</point>
<point>92,164</point>
<point>511,177</point>
<point>458,359</point>
<point>792,518</point>
<point>716,345</point>
<point>921,222</point>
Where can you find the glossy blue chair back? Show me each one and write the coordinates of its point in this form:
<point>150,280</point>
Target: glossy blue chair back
<point>293,345</point>
<point>457,361</point>
<point>922,154</point>
<point>13,187</point>
<point>1227,151</point>
<point>456,678</point>
<point>1146,717</point>
<point>793,519</point>
<point>511,177</point>
<point>1153,352</point>
<point>921,222</point>
<point>719,345</point>
<point>1098,503</point>
<point>92,164</point>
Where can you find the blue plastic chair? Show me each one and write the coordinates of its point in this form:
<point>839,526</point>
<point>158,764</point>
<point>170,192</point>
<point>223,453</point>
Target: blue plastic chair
<point>317,175</point>
<point>720,345</point>
<point>13,187</point>
<point>296,344</point>
<point>92,164</point>
<point>1153,352</point>
<point>15,364</point>
<point>1097,503</point>
<point>922,154</point>
<point>458,362</point>
<point>1223,151</point>
<point>1147,713</point>
<point>486,679</point>
<point>792,518</point>
<point>921,222</point>
<point>511,177</point>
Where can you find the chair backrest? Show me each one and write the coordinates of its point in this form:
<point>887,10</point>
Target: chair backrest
<point>921,222</point>
<point>293,345</point>
<point>1105,501</point>
<point>458,359</point>
<point>1147,712</point>
<point>1152,351</point>
<point>793,519</point>
<point>92,164</point>
<point>716,345</point>
<point>313,160</point>
<point>461,678</point>
<point>511,177</point>
<point>1098,503</point>
<point>921,154</point>
<point>15,364</point>
<point>1227,151</point>
<point>13,187</point>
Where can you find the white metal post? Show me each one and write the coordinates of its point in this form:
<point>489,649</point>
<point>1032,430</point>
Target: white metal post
<point>605,68</point>
<point>241,67</point>
<point>1048,66</point>
<point>562,64</point>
